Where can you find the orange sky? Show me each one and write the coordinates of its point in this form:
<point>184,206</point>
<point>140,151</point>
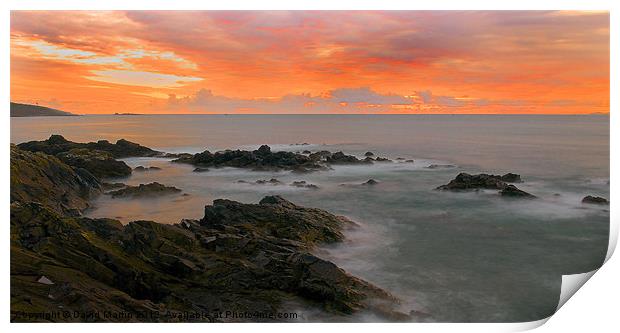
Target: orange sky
<point>311,61</point>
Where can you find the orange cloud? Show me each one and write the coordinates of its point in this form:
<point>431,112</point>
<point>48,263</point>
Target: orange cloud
<point>312,61</point>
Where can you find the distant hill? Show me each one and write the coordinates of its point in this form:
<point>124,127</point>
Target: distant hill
<point>29,110</point>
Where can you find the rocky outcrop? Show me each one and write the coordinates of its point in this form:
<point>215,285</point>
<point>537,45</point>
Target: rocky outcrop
<point>467,182</point>
<point>341,158</point>
<point>441,166</point>
<point>261,159</point>
<point>154,189</point>
<point>99,163</point>
<point>58,144</point>
<point>239,258</point>
<point>595,200</point>
<point>304,184</point>
<point>42,178</point>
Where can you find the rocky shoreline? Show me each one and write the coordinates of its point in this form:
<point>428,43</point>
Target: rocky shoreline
<point>239,257</point>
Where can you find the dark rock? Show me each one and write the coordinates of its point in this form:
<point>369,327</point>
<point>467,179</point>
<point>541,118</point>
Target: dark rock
<point>409,161</point>
<point>199,169</point>
<point>58,144</point>
<point>320,155</point>
<point>511,178</point>
<point>514,192</point>
<point>144,190</point>
<point>306,152</point>
<point>45,179</point>
<point>441,166</point>
<point>271,181</point>
<point>112,186</point>
<point>100,163</point>
<point>369,153</point>
<point>370,182</point>
<point>341,158</point>
<point>141,168</point>
<point>382,159</point>
<point>467,182</point>
<point>595,200</point>
<point>304,184</point>
<point>261,159</point>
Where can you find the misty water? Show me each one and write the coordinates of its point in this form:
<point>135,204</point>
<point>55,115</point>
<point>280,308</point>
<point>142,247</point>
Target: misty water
<point>456,256</point>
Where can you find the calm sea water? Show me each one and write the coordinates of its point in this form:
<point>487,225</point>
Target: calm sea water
<point>457,256</point>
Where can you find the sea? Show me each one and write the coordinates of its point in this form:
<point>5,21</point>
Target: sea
<point>458,257</point>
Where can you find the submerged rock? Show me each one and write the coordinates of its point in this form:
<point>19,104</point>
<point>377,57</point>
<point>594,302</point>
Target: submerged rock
<point>144,190</point>
<point>141,168</point>
<point>199,169</point>
<point>304,184</point>
<point>441,166</point>
<point>100,163</point>
<point>382,159</point>
<point>370,182</point>
<point>58,144</point>
<point>595,200</point>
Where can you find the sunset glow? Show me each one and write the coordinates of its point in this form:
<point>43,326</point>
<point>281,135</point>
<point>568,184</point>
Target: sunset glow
<point>312,62</point>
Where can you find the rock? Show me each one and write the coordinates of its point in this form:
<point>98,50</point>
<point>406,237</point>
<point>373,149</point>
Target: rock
<point>511,178</point>
<point>100,163</point>
<point>595,200</point>
<point>441,166</point>
<point>141,168</point>
<point>382,159</point>
<point>341,158</point>
<point>58,144</point>
<point>239,257</point>
<point>320,155</point>
<point>306,152</point>
<point>304,184</point>
<point>370,182</point>
<point>467,182</point>
<point>199,169</point>
<point>369,153</point>
<point>144,190</point>
<point>409,161</point>
<point>262,159</point>
<point>45,179</point>
<point>271,181</point>
<point>112,186</point>
<point>514,192</point>
<point>44,280</point>
<point>400,158</point>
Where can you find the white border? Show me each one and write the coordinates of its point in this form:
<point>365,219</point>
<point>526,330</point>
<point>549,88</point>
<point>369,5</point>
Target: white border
<point>595,306</point>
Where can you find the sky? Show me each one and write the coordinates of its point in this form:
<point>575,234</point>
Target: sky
<point>312,62</point>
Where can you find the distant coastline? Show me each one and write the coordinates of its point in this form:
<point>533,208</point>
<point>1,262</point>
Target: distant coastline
<point>29,110</point>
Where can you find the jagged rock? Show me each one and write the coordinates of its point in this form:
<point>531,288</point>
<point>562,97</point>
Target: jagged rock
<point>45,179</point>
<point>58,144</point>
<point>304,184</point>
<point>236,258</point>
<point>141,168</point>
<point>465,182</point>
<point>514,192</point>
<point>342,158</point>
<point>261,159</point>
<point>511,178</point>
<point>100,163</point>
<point>595,200</point>
<point>382,159</point>
<point>144,190</point>
<point>320,155</point>
<point>271,181</point>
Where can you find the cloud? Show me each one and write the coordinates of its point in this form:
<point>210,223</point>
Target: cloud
<point>143,79</point>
